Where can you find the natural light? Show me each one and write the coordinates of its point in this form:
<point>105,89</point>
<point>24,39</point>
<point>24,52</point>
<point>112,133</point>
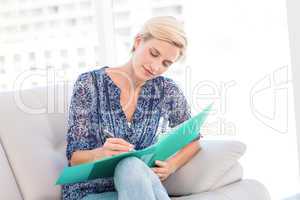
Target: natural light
<point>238,58</point>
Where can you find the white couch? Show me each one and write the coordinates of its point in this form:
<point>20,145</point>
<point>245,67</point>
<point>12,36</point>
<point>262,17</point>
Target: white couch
<point>32,154</point>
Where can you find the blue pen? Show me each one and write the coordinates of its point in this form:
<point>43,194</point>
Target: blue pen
<point>108,134</point>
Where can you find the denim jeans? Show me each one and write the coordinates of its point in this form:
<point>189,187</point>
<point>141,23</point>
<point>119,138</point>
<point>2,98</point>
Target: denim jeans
<point>133,180</point>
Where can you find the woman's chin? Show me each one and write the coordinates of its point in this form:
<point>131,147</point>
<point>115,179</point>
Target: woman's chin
<point>142,77</point>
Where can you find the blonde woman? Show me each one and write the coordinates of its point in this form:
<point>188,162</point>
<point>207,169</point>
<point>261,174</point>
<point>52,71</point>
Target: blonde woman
<point>129,102</point>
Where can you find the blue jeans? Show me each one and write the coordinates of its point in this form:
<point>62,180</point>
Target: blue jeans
<point>133,180</point>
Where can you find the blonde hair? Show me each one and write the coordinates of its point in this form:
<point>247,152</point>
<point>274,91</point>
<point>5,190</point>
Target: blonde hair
<point>165,28</point>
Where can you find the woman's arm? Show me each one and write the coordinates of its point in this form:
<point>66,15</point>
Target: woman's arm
<point>112,146</point>
<point>178,111</point>
<point>165,168</point>
<point>84,156</point>
<point>184,155</point>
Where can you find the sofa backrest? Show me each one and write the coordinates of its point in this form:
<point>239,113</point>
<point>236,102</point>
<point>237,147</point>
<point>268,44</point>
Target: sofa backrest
<point>8,185</point>
<point>32,132</point>
<point>33,128</point>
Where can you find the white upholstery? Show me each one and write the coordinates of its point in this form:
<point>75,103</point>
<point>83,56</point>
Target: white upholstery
<point>34,144</point>
<point>7,180</point>
<point>241,190</point>
<point>217,156</point>
<point>33,155</point>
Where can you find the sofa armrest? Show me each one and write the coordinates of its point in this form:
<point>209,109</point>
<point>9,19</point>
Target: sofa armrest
<point>235,173</point>
<point>8,184</point>
<point>241,190</point>
<point>207,168</point>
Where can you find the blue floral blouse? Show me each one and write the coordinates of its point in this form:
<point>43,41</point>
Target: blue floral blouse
<point>161,104</point>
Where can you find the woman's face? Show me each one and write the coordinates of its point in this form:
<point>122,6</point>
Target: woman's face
<point>152,58</point>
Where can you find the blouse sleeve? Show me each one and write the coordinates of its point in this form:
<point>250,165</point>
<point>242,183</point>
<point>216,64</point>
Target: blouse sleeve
<point>80,135</point>
<point>178,108</point>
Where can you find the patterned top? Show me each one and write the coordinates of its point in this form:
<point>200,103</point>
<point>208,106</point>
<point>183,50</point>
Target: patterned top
<point>161,104</point>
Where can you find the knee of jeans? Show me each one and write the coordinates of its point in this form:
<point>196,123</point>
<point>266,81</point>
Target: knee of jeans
<point>130,165</point>
<point>130,169</point>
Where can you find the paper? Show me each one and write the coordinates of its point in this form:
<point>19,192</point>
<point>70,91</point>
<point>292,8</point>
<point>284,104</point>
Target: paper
<point>174,140</point>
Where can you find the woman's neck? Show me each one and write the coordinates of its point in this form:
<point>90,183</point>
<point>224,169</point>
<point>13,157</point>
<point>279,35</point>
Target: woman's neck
<point>127,68</point>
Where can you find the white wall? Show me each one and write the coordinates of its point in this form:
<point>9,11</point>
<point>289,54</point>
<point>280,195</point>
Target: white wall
<point>293,7</point>
<point>241,49</point>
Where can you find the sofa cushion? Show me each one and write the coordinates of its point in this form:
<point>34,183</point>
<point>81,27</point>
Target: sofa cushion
<point>235,173</point>
<point>241,190</point>
<point>8,185</point>
<point>33,132</point>
<point>207,168</point>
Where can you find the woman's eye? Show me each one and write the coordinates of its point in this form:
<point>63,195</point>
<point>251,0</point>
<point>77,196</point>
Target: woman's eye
<point>153,54</point>
<point>166,64</point>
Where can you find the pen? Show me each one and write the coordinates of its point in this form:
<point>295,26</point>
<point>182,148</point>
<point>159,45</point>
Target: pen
<point>108,134</point>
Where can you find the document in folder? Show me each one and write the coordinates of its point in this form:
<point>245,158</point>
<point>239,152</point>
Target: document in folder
<point>172,142</point>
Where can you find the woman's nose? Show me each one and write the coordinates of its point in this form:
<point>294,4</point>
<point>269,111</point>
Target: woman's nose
<point>154,68</point>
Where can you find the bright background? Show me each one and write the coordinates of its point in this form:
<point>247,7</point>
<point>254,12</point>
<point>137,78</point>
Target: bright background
<point>238,57</point>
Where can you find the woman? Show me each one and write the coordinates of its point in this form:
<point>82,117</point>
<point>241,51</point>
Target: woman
<point>129,101</point>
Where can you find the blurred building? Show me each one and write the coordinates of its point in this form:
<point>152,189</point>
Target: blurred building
<point>65,36</point>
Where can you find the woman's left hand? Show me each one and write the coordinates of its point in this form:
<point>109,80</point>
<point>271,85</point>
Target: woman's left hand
<point>163,169</point>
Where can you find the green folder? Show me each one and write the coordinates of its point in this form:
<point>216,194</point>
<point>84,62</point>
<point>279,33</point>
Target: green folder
<point>172,142</point>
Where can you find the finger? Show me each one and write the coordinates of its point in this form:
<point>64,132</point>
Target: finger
<point>161,163</point>
<point>117,147</point>
<point>162,179</point>
<point>154,169</point>
<point>112,153</point>
<point>160,175</point>
<point>119,141</point>
<point>160,170</point>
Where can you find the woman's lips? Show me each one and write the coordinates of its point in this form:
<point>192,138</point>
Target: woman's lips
<point>148,73</point>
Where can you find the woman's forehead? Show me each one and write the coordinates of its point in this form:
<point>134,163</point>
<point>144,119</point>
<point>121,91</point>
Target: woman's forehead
<point>164,48</point>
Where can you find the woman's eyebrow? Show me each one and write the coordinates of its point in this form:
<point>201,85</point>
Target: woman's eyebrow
<point>156,51</point>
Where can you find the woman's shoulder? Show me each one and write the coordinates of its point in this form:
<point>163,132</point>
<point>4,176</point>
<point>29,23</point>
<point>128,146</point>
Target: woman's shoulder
<point>164,81</point>
<point>168,84</point>
<point>87,77</point>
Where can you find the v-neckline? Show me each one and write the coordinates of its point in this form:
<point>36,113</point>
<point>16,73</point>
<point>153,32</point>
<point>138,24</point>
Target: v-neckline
<point>139,99</point>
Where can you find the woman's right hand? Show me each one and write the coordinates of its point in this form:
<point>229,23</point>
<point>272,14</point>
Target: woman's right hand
<point>112,146</point>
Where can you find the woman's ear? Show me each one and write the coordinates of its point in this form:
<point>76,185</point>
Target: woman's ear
<point>137,41</point>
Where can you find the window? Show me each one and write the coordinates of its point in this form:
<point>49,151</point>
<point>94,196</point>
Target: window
<point>231,47</point>
<point>37,12</point>
<point>81,64</point>
<point>128,19</point>
<point>25,27</point>
<point>2,59</point>
<point>32,56</point>
<point>17,58</point>
<point>85,4</point>
<point>64,53</point>
<point>54,23</point>
<point>3,86</point>
<point>39,25</point>
<point>171,10</point>
<point>65,66</point>
<point>81,51</point>
<point>53,9</point>
<point>87,20</point>
<point>68,7</point>
<point>47,54</point>
<point>2,71</point>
